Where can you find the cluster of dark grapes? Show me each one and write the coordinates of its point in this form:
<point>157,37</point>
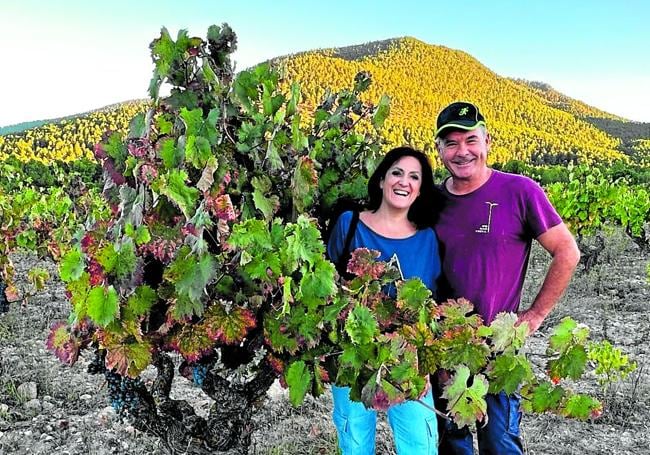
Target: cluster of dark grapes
<point>123,392</point>
<point>199,372</point>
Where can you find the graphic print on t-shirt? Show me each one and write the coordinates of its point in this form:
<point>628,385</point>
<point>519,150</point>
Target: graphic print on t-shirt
<point>485,228</point>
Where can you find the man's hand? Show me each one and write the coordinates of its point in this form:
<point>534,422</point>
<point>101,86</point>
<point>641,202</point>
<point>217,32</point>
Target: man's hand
<point>533,318</point>
<point>559,242</point>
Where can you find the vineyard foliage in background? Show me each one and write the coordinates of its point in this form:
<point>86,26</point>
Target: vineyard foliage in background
<point>218,194</point>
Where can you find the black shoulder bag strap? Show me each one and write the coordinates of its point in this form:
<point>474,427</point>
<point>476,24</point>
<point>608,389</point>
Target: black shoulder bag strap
<point>344,257</point>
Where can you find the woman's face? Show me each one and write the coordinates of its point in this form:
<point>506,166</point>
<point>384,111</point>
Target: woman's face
<point>401,184</point>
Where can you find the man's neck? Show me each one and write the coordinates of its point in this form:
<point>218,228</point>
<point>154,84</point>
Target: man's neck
<point>460,187</point>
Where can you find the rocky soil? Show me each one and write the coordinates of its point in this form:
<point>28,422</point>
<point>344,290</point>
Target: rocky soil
<point>46,407</point>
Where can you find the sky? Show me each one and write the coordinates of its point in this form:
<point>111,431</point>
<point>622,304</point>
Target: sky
<point>62,57</point>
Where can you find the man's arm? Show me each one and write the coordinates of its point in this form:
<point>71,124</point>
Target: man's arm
<point>559,242</point>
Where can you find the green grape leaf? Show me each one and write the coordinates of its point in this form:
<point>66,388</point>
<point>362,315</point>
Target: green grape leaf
<point>138,126</point>
<point>251,234</point>
<point>570,364</point>
<point>361,325</point>
<point>506,336</point>
<point>125,259</point>
<point>173,186</point>
<point>466,404</point>
<point>318,284</point>
<point>141,301</point>
<point>381,112</point>
<point>193,121</point>
<point>171,155</point>
<point>278,337</point>
<point>303,243</point>
<point>563,334</point>
<point>266,205</point>
<point>581,406</point>
<point>72,265</point>
<point>508,372</point>
<point>544,397</point>
<point>103,305</point>
<point>299,380</point>
<point>191,273</point>
<point>304,184</point>
<point>412,294</point>
<point>197,151</point>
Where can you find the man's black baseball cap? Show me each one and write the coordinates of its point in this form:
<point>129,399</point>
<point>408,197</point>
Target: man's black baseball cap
<point>459,115</point>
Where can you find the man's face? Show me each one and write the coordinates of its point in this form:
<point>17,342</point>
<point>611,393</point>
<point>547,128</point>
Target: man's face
<point>464,153</point>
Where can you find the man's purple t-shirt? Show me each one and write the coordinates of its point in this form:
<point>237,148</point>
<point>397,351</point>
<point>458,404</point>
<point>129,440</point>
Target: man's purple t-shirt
<point>485,239</point>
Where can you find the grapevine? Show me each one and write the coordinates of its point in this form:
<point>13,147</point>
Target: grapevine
<point>219,194</point>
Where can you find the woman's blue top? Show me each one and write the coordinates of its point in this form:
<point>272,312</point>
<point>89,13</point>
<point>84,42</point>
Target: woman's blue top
<point>417,255</point>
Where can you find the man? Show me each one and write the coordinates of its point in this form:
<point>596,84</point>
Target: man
<point>486,229</point>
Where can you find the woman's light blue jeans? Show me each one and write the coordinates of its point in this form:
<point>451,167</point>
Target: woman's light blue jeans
<point>414,426</point>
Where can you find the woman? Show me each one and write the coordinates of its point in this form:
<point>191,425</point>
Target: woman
<point>400,211</point>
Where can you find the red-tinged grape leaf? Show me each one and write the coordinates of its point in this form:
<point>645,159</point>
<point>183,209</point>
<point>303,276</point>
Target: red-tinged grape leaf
<point>455,312</point>
<point>141,301</point>
<point>192,341</point>
<point>570,364</point>
<point>462,347</point>
<point>72,265</point>
<point>506,336</point>
<point>466,405</point>
<point>103,305</point>
<point>304,184</point>
<point>412,294</point>
<point>62,344</point>
<point>174,187</point>
<point>107,257</point>
<point>228,327</point>
<point>507,372</point>
<point>580,406</point>
<point>128,359</point>
<point>542,398</point>
<point>363,263</point>
<point>361,325</point>
<point>298,379</point>
<point>379,394</point>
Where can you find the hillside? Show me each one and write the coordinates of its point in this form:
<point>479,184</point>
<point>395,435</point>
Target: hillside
<point>529,121</point>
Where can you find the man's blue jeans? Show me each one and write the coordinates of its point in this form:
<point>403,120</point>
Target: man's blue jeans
<point>414,426</point>
<point>499,437</point>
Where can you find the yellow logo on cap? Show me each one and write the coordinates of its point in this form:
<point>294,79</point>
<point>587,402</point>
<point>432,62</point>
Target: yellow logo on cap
<point>463,111</point>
